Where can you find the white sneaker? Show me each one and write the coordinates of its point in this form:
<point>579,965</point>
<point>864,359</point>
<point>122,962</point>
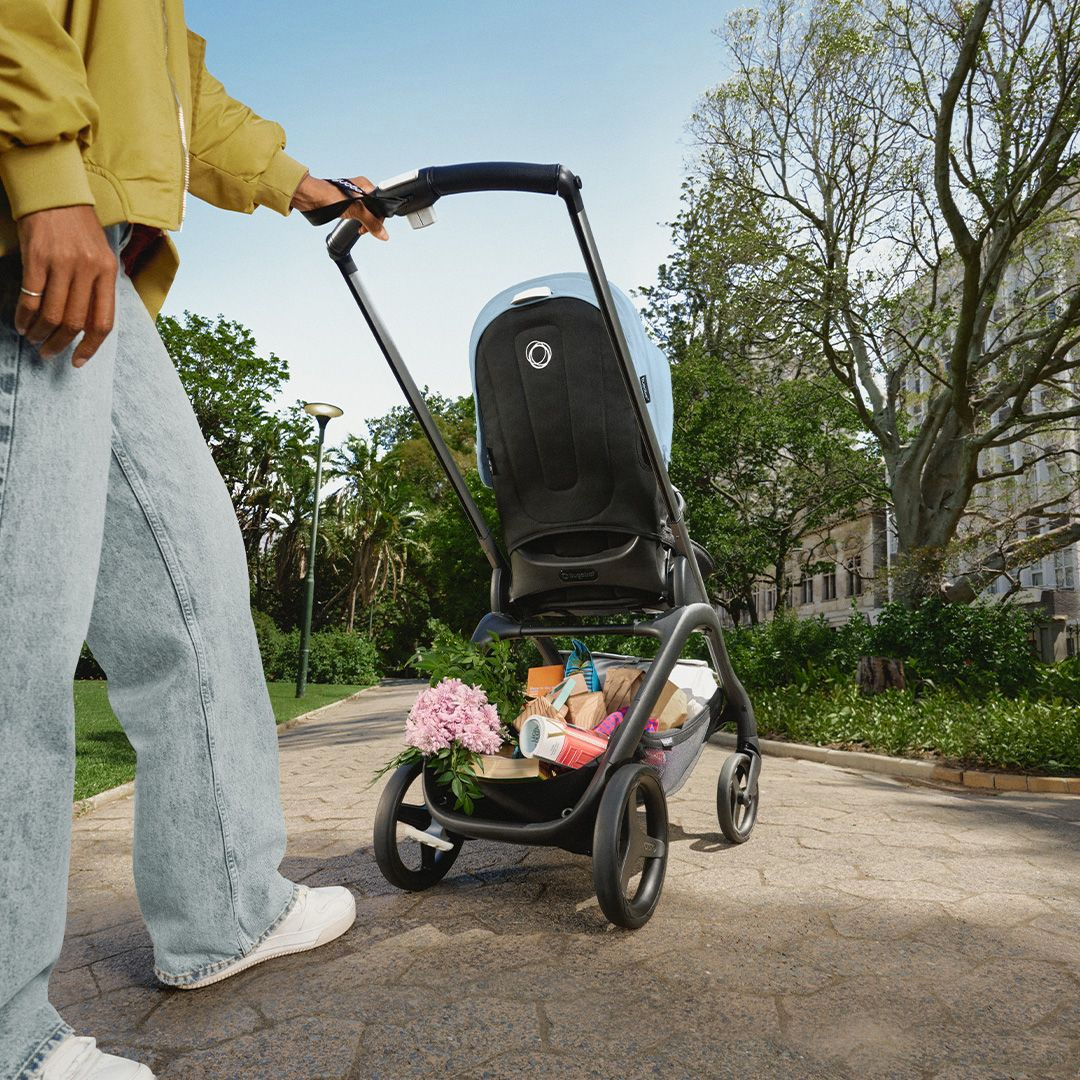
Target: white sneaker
<point>78,1058</point>
<point>317,917</point>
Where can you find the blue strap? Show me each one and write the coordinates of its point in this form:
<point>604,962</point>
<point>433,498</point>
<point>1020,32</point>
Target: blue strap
<point>580,661</point>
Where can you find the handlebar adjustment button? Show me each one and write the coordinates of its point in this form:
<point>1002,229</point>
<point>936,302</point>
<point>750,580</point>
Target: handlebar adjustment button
<point>421,219</point>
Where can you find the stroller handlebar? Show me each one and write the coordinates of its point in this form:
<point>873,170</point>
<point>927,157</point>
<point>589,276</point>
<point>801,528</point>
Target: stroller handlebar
<point>416,191</point>
<point>413,194</point>
<point>499,176</point>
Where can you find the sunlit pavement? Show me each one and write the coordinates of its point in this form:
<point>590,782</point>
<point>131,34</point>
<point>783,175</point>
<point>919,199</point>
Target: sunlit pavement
<point>869,928</point>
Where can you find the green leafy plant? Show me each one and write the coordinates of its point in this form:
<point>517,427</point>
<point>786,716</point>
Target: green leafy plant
<point>981,649</point>
<point>492,667</point>
<point>334,656</point>
<point>995,730</point>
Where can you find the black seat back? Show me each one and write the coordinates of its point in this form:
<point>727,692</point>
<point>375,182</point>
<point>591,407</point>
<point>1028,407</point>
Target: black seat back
<point>567,458</point>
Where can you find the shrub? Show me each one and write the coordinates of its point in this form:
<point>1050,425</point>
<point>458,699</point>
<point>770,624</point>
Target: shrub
<point>334,656</point>
<point>337,656</point>
<point>995,731</point>
<point>980,648</point>
<point>88,667</point>
<point>272,647</point>
<point>1061,680</point>
<point>786,651</point>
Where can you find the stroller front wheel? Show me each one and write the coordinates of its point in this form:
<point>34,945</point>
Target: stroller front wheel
<point>630,846</point>
<point>736,805</point>
<point>412,852</point>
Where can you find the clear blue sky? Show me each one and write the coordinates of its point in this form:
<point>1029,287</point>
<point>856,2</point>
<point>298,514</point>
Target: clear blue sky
<point>605,87</point>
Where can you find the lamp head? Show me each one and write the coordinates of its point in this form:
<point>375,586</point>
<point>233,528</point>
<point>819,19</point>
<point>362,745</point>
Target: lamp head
<point>322,410</point>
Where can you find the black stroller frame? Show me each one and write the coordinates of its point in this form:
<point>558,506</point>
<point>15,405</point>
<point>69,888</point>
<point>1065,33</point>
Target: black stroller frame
<point>615,835</point>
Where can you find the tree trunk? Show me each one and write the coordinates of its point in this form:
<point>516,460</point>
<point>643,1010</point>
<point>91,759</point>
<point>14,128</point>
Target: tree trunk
<point>878,673</point>
<point>929,499</point>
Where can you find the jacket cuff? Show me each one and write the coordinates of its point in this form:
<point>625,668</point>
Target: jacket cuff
<point>279,182</point>
<point>44,177</point>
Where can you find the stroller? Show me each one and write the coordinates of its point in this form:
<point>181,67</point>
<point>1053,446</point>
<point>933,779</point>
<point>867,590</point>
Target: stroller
<point>574,421</point>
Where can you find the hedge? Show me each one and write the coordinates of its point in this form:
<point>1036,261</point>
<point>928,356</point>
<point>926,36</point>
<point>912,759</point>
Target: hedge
<point>335,657</point>
<point>997,731</point>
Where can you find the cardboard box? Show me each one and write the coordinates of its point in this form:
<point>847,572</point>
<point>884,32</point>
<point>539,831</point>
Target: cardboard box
<point>504,767</point>
<point>542,680</point>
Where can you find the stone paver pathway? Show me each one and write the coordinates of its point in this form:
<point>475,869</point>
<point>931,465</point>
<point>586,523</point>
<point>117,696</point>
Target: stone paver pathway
<point>868,929</point>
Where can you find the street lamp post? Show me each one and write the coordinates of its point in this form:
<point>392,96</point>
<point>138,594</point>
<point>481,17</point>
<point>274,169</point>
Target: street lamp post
<point>323,413</point>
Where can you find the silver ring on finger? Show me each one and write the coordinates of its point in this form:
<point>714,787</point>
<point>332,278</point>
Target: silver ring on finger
<point>30,292</point>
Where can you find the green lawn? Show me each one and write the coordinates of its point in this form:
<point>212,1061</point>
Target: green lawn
<point>103,756</point>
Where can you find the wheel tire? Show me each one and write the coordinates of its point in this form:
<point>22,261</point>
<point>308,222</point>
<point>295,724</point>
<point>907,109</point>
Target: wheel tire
<point>431,867</point>
<point>631,830</point>
<point>735,807</point>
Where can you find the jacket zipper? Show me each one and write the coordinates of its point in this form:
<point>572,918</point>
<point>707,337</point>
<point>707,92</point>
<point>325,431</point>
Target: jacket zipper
<point>186,154</point>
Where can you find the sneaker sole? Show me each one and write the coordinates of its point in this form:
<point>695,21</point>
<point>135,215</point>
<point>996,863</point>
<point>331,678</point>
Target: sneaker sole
<point>328,933</point>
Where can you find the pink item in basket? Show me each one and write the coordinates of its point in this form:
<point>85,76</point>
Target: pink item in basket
<point>561,744</point>
<point>613,720</point>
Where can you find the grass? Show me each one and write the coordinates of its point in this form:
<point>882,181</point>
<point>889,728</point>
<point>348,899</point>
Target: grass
<point>1022,734</point>
<point>104,757</point>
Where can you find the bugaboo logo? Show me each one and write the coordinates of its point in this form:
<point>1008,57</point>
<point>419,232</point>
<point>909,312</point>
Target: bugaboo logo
<point>584,574</point>
<point>538,353</point>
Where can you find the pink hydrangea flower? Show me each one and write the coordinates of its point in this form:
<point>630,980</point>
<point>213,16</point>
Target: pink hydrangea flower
<point>453,710</point>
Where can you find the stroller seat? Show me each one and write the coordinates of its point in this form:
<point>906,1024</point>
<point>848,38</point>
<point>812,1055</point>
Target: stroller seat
<point>581,511</point>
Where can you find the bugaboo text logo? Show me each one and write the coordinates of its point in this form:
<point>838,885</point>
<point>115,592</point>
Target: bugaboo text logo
<point>538,353</point>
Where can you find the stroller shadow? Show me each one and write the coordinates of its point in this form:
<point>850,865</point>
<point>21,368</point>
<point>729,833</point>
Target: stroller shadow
<point>706,841</point>
<point>507,888</point>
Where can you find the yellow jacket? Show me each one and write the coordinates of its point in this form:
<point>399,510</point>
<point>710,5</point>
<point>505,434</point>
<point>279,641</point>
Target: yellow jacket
<point>108,103</point>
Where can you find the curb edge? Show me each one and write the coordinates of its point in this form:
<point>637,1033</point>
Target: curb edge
<point>913,768</point>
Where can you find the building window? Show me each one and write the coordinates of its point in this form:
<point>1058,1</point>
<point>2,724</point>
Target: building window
<point>770,599</point>
<point>806,589</point>
<point>1037,576</point>
<point>828,584</point>
<point>854,576</point>
<point>1064,569</point>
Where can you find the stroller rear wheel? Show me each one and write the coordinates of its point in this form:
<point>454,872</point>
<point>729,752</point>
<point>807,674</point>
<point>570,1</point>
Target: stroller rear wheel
<point>736,805</point>
<point>630,846</point>
<point>413,852</point>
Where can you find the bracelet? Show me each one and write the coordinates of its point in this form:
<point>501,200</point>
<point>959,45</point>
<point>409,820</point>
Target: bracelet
<point>347,187</point>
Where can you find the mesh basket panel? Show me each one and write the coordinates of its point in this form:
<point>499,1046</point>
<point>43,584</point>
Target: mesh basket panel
<point>673,754</point>
<point>675,763</point>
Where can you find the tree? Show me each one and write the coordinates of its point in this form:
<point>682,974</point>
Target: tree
<point>767,454</point>
<point>922,158</point>
<point>373,521</point>
<point>230,385</point>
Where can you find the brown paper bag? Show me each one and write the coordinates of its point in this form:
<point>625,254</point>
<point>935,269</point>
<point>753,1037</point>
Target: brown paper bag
<point>541,706</point>
<point>586,710</point>
<point>620,686</point>
<point>670,708</point>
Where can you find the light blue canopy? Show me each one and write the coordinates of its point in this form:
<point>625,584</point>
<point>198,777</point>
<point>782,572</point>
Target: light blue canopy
<point>647,358</point>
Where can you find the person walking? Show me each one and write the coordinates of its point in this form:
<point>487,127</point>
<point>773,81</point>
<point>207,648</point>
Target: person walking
<point>115,526</point>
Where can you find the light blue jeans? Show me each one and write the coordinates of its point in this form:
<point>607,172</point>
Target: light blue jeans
<point>116,527</point>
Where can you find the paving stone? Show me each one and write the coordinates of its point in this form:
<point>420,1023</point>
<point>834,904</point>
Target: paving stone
<point>870,928</point>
